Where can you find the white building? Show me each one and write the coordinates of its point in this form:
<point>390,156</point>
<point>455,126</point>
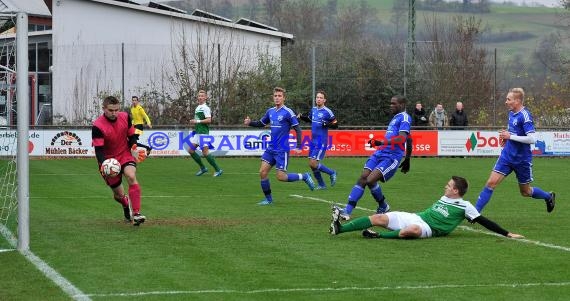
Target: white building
<point>119,47</point>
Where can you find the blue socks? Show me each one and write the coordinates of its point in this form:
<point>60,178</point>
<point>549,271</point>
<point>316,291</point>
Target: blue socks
<point>325,169</point>
<point>293,177</point>
<point>319,177</point>
<point>538,193</point>
<point>355,195</point>
<point>376,192</point>
<point>484,198</point>
<point>266,187</point>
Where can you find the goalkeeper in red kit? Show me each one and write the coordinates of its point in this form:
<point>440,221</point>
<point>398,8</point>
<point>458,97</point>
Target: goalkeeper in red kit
<point>114,136</point>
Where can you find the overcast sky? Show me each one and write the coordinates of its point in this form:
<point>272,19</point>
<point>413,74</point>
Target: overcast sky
<point>550,3</point>
<point>531,2</point>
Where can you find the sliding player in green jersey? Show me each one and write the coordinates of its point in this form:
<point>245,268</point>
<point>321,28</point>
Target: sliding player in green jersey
<point>438,220</point>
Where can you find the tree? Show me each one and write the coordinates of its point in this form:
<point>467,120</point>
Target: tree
<point>452,67</point>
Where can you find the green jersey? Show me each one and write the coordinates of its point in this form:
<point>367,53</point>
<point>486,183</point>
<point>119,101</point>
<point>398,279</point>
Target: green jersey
<point>202,112</point>
<point>446,214</point>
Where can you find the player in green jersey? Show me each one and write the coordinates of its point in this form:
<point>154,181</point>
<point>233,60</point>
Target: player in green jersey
<point>201,122</point>
<point>438,220</point>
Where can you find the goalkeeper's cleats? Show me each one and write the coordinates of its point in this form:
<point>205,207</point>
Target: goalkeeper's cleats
<point>333,178</point>
<point>309,181</point>
<point>334,228</point>
<point>218,173</point>
<point>202,171</point>
<point>138,219</point>
<point>265,202</point>
<point>370,234</point>
<point>551,202</point>
<point>383,208</point>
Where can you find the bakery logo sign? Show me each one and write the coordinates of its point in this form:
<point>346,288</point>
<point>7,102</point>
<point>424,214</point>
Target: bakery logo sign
<point>66,143</point>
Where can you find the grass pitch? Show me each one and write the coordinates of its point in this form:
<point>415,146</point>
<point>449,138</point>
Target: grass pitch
<point>206,239</point>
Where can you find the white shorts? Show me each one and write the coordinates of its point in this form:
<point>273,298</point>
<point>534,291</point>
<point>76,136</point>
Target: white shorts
<point>196,139</point>
<point>400,220</point>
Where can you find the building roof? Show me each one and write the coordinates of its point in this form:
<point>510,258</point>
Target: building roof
<point>198,16</point>
<point>31,7</point>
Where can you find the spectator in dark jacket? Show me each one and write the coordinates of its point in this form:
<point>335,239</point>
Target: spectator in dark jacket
<point>459,117</point>
<point>419,117</point>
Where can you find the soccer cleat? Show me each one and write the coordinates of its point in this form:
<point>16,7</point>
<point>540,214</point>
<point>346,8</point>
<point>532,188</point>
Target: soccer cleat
<point>321,187</point>
<point>383,208</point>
<point>201,172</point>
<point>138,219</point>
<point>309,181</point>
<point>334,228</point>
<point>551,202</point>
<point>265,202</point>
<point>370,234</point>
<point>218,173</point>
<point>343,215</point>
<point>333,178</point>
<point>127,213</point>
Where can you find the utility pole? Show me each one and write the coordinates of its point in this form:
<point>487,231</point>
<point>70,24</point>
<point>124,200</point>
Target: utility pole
<point>410,48</point>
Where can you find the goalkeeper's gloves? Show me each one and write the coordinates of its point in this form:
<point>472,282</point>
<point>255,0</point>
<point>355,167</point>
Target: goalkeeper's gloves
<point>405,166</point>
<point>374,142</point>
<point>138,153</point>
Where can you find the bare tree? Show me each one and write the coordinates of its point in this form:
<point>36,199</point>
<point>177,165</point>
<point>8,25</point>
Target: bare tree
<point>454,67</point>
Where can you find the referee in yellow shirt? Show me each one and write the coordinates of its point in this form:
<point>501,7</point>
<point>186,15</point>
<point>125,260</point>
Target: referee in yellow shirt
<point>138,115</point>
<point>139,118</point>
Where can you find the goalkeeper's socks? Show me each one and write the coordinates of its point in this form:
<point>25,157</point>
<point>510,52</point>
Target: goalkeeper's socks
<point>360,223</point>
<point>135,195</point>
<point>484,198</point>
<point>266,188</point>
<point>538,193</point>
<point>319,177</point>
<point>123,200</point>
<point>325,169</point>
<point>293,177</point>
<point>196,158</point>
<point>212,162</point>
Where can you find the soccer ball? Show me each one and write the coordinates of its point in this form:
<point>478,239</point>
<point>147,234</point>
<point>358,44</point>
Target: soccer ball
<point>111,167</point>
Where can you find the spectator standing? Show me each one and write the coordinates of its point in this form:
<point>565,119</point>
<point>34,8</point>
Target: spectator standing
<point>458,119</point>
<point>419,117</point>
<point>438,118</point>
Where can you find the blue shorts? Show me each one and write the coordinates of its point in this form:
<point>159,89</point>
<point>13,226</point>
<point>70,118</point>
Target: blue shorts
<point>523,170</point>
<point>385,164</point>
<point>317,151</point>
<point>279,159</point>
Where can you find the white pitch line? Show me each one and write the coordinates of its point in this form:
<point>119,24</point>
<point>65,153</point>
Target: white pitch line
<point>334,289</point>
<point>523,240</point>
<point>43,267</point>
<point>466,228</point>
<point>6,250</point>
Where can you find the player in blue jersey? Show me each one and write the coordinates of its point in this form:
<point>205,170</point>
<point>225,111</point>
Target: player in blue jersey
<point>322,119</point>
<point>516,155</point>
<point>383,164</point>
<point>281,119</point>
<point>438,220</point>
